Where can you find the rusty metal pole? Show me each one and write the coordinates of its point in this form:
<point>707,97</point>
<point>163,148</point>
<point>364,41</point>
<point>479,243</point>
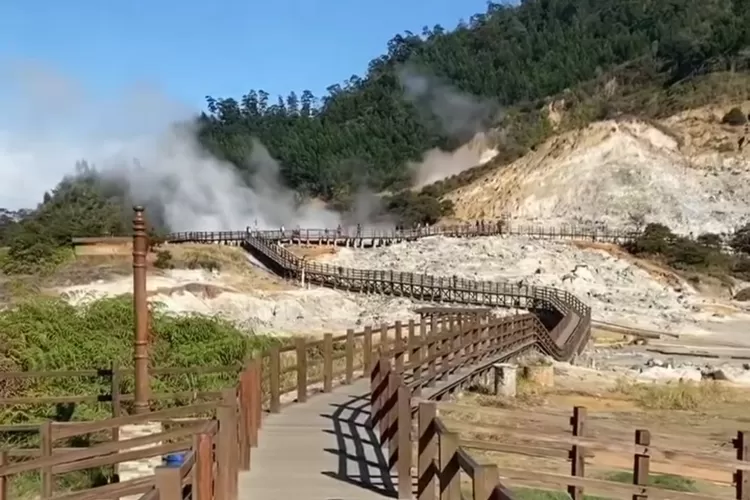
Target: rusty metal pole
<point>140,307</point>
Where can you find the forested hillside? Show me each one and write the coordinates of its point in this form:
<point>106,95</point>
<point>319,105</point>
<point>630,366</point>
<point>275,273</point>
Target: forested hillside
<point>660,55</point>
<point>364,130</point>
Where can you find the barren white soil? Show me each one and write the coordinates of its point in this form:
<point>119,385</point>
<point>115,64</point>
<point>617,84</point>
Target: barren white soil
<point>313,311</point>
<point>617,290</point>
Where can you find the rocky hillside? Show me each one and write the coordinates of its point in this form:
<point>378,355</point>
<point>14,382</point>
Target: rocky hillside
<point>690,171</point>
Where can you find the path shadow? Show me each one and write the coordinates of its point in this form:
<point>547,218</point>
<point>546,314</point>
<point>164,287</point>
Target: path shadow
<point>361,461</point>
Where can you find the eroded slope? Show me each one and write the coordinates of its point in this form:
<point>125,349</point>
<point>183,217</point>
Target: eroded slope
<point>689,171</point>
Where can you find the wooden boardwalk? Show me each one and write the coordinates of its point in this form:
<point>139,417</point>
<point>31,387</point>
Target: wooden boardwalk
<point>320,450</point>
<point>324,449</point>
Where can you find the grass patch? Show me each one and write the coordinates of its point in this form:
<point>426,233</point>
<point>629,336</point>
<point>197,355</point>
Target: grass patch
<point>671,482</point>
<point>48,334</point>
<point>538,494</point>
<point>207,257</point>
<point>680,395</point>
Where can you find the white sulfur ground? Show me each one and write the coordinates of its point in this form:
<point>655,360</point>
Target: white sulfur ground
<point>617,290</point>
<point>313,311</point>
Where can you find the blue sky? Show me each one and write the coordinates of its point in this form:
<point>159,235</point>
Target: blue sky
<point>222,48</point>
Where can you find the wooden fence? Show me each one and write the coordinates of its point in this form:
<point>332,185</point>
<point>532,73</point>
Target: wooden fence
<point>288,366</point>
<point>281,375</point>
<point>573,316</point>
<point>578,440</point>
<point>477,228</point>
<point>408,374</point>
<point>446,455</point>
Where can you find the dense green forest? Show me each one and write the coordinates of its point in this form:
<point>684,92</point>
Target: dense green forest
<point>661,56</point>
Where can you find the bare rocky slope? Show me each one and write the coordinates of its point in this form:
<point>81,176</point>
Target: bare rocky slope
<point>689,171</point>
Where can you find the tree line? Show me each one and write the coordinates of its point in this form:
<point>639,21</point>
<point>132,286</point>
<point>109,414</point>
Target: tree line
<point>364,131</point>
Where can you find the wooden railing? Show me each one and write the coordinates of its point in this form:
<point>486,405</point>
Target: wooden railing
<point>433,359</point>
<point>478,228</point>
<point>443,455</point>
<point>112,378</point>
<point>578,439</point>
<point>567,338</point>
<point>411,372</point>
<point>211,466</point>
<point>281,375</point>
<point>433,364</point>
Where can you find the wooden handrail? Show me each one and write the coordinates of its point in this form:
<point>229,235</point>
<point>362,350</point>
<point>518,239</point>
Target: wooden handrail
<point>258,382</point>
<point>434,357</point>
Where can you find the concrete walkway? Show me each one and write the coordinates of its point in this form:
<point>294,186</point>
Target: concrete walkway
<point>320,450</point>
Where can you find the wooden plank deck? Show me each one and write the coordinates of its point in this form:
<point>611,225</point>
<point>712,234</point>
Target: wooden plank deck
<point>320,450</point>
<point>323,449</point>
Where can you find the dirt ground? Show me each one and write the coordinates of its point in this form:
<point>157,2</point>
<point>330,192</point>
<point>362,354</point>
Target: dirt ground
<point>691,425</point>
<point>311,252</point>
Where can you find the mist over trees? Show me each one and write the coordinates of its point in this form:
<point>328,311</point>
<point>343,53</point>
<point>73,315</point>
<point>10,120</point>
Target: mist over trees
<point>363,132</point>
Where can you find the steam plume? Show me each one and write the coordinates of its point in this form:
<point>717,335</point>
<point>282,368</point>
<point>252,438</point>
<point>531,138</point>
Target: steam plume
<point>132,140</point>
<point>463,118</point>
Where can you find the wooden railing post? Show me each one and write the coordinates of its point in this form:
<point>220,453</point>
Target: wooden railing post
<point>258,392</point>
<point>577,452</point>
<point>450,359</point>
<point>349,375</point>
<point>427,451</point>
<point>226,448</point>
<point>375,377</point>
<point>383,338</point>
<point>367,352</point>
<point>398,346</point>
<point>385,394</point>
<point>641,461</point>
<point>450,485</point>
<point>432,347</point>
<point>274,379</point>
<point>203,475</point>
<point>114,390</point>
<point>301,370</point>
<point>256,399</point>
<point>403,426</point>
<point>443,346</point>
<point>328,362</point>
<point>415,357</point>
<point>742,477</point>
<point>3,479</point>
<point>485,480</point>
<point>246,416</point>
<point>45,444</point>
<point>391,405</point>
<point>168,482</point>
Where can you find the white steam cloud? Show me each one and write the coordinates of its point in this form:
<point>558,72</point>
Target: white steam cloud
<point>50,122</point>
<point>460,116</point>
